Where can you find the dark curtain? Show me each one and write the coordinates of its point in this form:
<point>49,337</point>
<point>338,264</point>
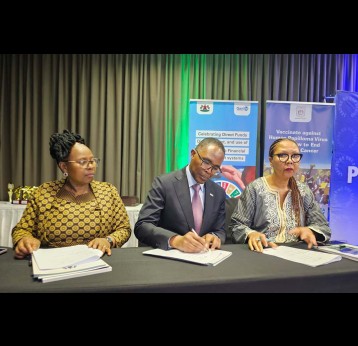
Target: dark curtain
<point>132,109</point>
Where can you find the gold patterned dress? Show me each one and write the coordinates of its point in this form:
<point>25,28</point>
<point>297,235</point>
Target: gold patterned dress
<point>58,219</point>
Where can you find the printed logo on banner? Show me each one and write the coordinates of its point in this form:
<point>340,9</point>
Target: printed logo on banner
<point>242,109</point>
<point>341,164</point>
<point>348,200</point>
<point>346,138</point>
<point>206,108</point>
<point>231,188</point>
<point>348,106</point>
<point>300,113</point>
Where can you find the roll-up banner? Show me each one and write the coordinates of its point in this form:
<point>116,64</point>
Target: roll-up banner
<point>235,124</point>
<point>310,125</point>
<point>344,177</point>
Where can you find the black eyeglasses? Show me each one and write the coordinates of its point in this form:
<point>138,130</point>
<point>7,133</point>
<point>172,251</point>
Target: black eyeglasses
<point>284,157</point>
<point>215,170</point>
<point>84,163</point>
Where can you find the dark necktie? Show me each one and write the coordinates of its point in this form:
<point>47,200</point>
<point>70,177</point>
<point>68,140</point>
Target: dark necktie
<point>197,208</point>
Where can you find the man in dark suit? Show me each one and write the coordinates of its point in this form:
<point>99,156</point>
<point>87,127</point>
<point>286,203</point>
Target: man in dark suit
<point>166,219</point>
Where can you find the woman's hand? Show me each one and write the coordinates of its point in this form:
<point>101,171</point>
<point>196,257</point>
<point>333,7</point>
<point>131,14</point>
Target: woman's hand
<point>101,244</point>
<point>257,241</point>
<point>25,246</point>
<point>305,234</point>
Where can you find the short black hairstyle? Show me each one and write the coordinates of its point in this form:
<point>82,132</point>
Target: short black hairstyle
<point>61,144</point>
<point>211,141</point>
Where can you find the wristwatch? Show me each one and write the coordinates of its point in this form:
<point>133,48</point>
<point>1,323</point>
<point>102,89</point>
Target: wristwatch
<point>110,241</point>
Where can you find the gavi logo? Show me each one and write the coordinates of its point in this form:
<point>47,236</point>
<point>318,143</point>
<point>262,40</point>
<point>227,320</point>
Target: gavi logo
<point>242,109</point>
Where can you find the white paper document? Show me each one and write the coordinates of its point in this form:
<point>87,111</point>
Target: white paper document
<point>64,257</point>
<point>37,272</point>
<point>50,275</point>
<point>52,278</point>
<point>209,258</point>
<point>307,257</point>
<point>67,262</point>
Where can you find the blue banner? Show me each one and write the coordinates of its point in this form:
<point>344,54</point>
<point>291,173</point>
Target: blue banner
<point>235,124</point>
<point>310,125</point>
<point>344,177</point>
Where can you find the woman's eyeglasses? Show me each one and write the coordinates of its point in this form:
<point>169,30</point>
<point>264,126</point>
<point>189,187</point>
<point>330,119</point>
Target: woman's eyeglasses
<point>284,157</point>
<point>84,163</point>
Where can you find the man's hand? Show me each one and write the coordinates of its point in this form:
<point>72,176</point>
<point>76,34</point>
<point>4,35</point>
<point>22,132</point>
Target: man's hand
<point>190,242</point>
<point>212,241</point>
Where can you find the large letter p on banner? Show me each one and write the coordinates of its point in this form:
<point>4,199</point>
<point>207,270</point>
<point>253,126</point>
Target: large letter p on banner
<point>352,172</point>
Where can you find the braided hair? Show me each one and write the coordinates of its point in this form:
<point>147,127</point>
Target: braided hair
<point>61,144</point>
<point>297,200</point>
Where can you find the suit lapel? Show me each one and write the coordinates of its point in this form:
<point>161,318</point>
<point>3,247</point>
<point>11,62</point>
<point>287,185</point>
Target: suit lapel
<point>182,191</point>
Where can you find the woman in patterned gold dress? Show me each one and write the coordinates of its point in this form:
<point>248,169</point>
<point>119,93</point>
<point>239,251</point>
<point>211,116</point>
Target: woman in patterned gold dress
<point>74,210</point>
<point>276,208</point>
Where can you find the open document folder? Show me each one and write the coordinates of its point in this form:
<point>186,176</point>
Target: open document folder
<point>50,275</point>
<point>64,263</point>
<point>209,258</point>
<point>63,257</point>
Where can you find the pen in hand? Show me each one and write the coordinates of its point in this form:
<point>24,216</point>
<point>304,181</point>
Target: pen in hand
<point>193,230</point>
<point>205,249</point>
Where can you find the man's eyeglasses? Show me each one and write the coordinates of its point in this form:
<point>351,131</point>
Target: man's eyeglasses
<point>284,157</point>
<point>84,163</point>
<point>215,170</point>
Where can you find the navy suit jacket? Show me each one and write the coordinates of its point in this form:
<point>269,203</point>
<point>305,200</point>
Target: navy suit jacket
<point>167,210</point>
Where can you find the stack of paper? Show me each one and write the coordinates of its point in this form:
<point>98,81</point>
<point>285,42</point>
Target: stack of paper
<point>308,257</point>
<point>209,258</point>
<point>67,262</point>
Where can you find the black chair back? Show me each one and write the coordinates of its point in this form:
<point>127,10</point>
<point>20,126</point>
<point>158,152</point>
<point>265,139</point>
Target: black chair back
<point>230,205</point>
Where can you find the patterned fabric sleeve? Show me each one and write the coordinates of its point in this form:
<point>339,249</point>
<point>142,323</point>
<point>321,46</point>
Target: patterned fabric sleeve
<point>27,225</point>
<point>57,222</point>
<point>120,225</point>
